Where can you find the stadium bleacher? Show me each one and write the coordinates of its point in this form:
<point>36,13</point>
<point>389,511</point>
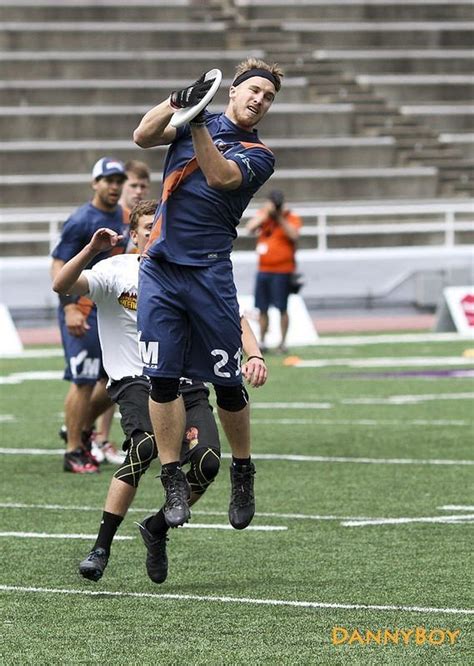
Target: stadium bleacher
<point>375,107</point>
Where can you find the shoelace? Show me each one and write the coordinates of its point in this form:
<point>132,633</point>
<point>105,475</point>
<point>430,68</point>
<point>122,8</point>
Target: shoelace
<point>94,554</point>
<point>242,488</point>
<point>176,491</point>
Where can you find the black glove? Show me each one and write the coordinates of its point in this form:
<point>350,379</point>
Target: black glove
<point>199,120</point>
<point>182,99</point>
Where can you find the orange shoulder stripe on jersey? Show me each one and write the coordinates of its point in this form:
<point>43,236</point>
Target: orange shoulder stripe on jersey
<point>175,178</point>
<point>154,234</point>
<point>245,144</point>
<point>170,184</point>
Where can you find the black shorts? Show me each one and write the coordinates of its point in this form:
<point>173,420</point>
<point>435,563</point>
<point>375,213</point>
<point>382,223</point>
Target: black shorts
<point>272,289</point>
<point>201,429</point>
<point>132,394</point>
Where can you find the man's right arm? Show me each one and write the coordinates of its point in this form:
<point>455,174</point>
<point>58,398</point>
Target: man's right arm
<point>70,279</point>
<point>154,128</point>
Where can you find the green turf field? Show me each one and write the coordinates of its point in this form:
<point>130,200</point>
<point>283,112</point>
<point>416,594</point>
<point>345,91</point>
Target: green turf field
<point>374,510</point>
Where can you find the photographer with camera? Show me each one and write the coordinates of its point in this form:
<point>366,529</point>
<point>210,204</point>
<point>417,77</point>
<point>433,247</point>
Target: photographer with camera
<point>278,230</point>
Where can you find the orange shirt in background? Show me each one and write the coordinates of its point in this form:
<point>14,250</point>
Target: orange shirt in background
<point>276,251</point>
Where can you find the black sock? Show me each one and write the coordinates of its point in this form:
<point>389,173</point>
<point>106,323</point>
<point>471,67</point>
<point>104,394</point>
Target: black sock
<point>157,524</point>
<point>109,525</point>
<point>171,467</point>
<point>240,462</point>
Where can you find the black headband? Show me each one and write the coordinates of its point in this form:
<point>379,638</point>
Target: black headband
<point>264,73</point>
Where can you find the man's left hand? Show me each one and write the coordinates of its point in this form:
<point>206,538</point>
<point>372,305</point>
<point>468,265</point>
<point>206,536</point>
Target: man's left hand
<point>255,372</point>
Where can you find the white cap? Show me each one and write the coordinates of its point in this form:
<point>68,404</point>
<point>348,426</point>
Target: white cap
<point>108,166</point>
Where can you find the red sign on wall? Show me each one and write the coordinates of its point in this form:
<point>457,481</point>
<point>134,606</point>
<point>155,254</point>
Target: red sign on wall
<point>467,304</point>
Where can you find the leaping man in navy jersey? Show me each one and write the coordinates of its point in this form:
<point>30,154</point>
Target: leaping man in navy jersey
<point>188,314</point>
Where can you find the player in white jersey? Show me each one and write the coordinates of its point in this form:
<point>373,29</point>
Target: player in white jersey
<point>113,284</point>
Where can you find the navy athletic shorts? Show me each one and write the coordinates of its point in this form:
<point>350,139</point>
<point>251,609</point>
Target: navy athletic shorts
<point>272,289</point>
<point>189,322</point>
<point>83,355</point>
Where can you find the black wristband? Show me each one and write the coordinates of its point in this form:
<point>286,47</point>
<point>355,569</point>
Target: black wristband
<point>260,358</point>
<point>199,120</point>
<point>67,299</point>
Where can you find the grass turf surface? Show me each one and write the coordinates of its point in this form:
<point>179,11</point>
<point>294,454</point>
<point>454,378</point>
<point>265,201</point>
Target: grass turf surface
<point>414,564</point>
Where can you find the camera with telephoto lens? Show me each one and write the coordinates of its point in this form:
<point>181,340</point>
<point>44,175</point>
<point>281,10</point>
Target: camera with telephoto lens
<point>277,198</point>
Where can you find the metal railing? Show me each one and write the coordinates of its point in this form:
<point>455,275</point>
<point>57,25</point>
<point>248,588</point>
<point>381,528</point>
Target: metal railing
<point>319,221</point>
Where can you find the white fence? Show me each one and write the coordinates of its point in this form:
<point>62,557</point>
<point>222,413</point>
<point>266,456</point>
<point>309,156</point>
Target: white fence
<point>322,222</point>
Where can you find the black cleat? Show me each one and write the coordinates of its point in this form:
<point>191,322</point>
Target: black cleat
<point>242,499</point>
<point>78,462</point>
<point>177,493</point>
<point>156,559</point>
<point>94,564</point>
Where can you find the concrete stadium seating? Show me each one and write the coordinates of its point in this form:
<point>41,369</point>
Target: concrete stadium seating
<point>356,10</point>
<point>302,184</point>
<point>369,87</point>
<point>107,10</point>
<point>96,92</point>
<point>400,61</point>
<point>23,157</point>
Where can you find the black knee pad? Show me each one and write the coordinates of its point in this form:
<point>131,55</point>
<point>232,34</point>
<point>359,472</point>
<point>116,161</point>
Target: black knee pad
<point>205,465</point>
<point>141,452</point>
<point>164,389</point>
<point>231,398</point>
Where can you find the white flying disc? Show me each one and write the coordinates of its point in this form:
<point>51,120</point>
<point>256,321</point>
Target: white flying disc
<point>183,116</point>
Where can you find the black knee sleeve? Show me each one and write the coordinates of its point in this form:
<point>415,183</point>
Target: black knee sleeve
<point>205,464</point>
<point>164,389</point>
<point>139,456</point>
<point>231,398</point>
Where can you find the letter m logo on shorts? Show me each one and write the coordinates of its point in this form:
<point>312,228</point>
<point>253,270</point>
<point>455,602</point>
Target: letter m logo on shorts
<point>148,352</point>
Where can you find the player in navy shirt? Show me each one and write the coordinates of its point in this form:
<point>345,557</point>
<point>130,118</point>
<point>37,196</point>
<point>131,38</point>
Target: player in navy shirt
<point>188,314</point>
<point>86,398</point>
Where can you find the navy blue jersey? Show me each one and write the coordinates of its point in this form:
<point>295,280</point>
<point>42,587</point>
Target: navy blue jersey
<point>195,224</point>
<point>81,226</point>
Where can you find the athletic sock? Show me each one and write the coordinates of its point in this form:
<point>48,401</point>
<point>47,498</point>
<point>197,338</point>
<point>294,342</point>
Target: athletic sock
<point>109,525</point>
<point>171,467</point>
<point>157,524</point>
<point>240,462</point>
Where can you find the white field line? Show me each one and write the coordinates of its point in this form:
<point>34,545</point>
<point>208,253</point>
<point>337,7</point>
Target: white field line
<point>54,352</point>
<point>31,452</point>
<point>397,423</point>
<point>291,405</point>
<point>457,520</point>
<point>346,521</point>
<point>239,600</point>
<point>226,526</point>
<point>368,461</point>
<point>408,399</point>
<point>48,375</point>
<point>287,457</point>
<point>456,507</point>
<point>38,375</point>
<point>356,340</point>
<point>196,526</point>
<point>364,422</point>
<point>9,418</point>
<point>45,535</point>
<point>329,341</point>
<point>61,507</point>
<point>386,362</point>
